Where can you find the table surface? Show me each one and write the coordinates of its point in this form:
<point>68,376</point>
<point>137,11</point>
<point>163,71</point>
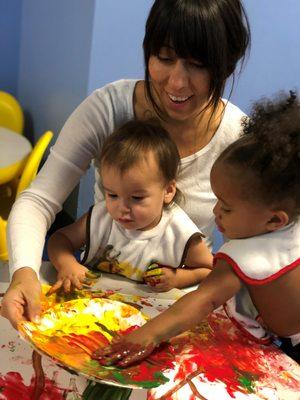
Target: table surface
<point>13,147</point>
<point>21,368</point>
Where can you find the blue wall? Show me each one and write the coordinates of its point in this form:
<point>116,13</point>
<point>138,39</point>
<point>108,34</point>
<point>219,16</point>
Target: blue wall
<point>274,62</point>
<point>54,59</point>
<point>56,39</point>
<point>10,23</point>
<point>117,41</point>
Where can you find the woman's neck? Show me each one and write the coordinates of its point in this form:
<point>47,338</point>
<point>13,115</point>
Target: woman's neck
<point>193,135</point>
<point>190,135</point>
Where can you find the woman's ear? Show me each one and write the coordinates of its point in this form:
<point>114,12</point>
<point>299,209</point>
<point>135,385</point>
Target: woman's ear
<point>170,191</point>
<point>278,220</point>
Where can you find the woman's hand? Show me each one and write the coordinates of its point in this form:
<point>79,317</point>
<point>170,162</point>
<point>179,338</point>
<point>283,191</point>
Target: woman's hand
<point>70,277</point>
<point>22,300</point>
<point>126,350</point>
<point>161,279</point>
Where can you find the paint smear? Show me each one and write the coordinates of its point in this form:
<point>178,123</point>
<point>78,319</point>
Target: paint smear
<point>12,387</point>
<point>215,353</point>
<point>70,331</point>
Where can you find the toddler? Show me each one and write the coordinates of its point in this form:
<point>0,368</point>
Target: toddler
<point>257,272</point>
<point>138,231</point>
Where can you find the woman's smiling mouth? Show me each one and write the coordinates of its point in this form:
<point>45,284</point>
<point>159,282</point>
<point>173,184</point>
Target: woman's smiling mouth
<point>178,99</point>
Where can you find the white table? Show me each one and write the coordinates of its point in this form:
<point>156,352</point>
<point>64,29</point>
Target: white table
<point>14,150</point>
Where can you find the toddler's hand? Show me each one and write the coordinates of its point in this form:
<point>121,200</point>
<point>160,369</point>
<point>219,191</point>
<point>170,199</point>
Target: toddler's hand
<point>161,279</point>
<point>70,277</point>
<point>125,350</point>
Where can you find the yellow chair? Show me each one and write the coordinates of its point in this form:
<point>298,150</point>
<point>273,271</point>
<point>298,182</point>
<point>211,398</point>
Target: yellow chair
<point>11,113</point>
<point>28,174</point>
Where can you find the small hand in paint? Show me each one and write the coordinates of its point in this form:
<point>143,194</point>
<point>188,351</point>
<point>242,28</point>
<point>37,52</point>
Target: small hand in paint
<point>70,277</point>
<point>125,350</point>
<point>161,279</point>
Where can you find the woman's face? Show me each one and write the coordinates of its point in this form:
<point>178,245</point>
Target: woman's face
<point>180,85</point>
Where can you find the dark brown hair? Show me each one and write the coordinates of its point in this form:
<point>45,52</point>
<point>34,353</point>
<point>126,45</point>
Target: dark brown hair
<point>267,156</point>
<point>213,32</point>
<point>133,141</point>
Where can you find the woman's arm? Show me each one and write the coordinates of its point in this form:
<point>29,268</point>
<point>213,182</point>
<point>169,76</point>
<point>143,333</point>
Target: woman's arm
<point>190,310</point>
<point>35,209</point>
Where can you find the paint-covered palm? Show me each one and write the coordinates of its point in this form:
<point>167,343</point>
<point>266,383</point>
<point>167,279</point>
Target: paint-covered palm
<point>126,350</point>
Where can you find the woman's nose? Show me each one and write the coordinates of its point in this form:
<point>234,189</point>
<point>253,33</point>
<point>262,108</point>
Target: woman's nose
<point>179,76</point>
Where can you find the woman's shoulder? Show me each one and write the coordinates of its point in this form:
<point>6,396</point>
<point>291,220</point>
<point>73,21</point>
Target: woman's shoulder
<point>231,125</point>
<point>102,111</point>
<point>121,89</point>
<point>233,115</point>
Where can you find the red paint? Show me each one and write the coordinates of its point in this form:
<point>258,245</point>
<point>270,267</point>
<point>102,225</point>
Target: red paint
<point>143,373</point>
<point>146,303</point>
<point>222,353</point>
<point>88,343</point>
<point>12,387</point>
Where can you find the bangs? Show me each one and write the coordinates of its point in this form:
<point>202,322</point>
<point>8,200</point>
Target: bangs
<point>191,33</point>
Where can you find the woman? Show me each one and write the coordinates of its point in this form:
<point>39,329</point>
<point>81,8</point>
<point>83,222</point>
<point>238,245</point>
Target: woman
<point>190,47</point>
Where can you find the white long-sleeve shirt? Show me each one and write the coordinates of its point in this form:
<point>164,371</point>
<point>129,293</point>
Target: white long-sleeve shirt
<point>78,144</point>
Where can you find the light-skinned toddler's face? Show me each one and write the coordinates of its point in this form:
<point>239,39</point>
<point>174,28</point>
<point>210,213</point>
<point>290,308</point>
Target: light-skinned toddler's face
<point>235,216</point>
<point>135,198</point>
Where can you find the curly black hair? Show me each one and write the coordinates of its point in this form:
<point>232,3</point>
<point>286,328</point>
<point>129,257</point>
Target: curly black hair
<point>268,153</point>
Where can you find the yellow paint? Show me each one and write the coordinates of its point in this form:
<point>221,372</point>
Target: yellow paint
<point>153,272</point>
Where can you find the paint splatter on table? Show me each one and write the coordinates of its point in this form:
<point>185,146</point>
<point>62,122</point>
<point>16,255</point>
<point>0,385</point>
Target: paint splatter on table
<point>216,361</point>
<point>215,358</point>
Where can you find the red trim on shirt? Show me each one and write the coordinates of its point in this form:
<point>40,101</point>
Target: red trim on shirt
<point>252,281</point>
<point>264,340</point>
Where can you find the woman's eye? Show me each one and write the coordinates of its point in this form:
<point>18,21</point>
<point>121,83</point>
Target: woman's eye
<point>197,65</point>
<point>164,59</point>
<point>112,196</point>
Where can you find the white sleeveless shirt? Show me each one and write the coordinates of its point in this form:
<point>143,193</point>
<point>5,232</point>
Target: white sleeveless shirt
<point>111,248</point>
<point>257,261</point>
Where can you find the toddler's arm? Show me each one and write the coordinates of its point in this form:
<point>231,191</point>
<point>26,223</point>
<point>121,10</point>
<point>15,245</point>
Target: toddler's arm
<point>61,248</point>
<point>197,265</point>
<point>215,290</point>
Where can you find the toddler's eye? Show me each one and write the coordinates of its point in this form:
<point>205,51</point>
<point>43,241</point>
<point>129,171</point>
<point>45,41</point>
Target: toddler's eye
<point>138,198</point>
<point>225,210</point>
<point>112,195</point>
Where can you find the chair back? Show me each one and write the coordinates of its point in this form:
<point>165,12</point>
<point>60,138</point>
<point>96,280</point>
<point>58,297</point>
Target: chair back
<point>33,161</point>
<point>3,246</point>
<point>11,113</point>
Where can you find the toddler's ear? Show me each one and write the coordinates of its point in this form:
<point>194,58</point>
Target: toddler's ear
<point>170,191</point>
<point>278,220</point>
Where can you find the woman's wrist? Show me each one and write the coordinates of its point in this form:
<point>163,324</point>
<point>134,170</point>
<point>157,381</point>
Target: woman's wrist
<point>24,272</point>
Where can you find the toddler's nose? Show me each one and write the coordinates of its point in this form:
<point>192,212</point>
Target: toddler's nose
<point>216,209</point>
<point>124,207</point>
